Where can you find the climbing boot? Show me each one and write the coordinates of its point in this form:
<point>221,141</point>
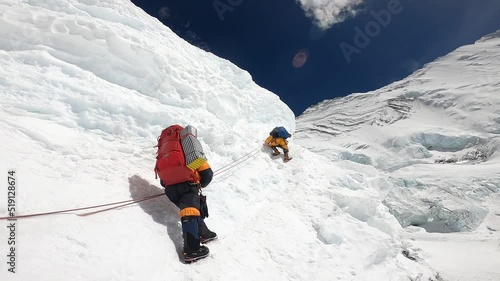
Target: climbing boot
<point>193,251</point>
<point>192,256</point>
<point>206,235</point>
<point>286,158</point>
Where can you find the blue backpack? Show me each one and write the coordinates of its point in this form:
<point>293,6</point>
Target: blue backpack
<point>280,132</point>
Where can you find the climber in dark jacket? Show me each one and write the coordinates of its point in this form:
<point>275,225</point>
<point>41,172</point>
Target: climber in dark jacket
<point>186,196</point>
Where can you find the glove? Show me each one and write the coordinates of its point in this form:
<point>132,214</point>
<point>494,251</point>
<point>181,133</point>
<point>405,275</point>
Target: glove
<point>203,206</point>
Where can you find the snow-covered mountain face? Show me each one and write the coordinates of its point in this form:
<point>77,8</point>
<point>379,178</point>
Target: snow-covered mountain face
<point>88,85</point>
<point>435,135</point>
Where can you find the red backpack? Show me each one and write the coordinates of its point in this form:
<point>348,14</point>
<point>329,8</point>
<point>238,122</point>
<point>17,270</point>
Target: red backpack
<point>170,160</point>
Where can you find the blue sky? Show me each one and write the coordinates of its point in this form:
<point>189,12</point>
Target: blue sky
<point>370,45</point>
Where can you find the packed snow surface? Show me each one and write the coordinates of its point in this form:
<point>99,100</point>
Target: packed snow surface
<point>87,87</point>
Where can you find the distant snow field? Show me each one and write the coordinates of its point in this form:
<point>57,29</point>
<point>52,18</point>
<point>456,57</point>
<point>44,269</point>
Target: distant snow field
<point>434,139</point>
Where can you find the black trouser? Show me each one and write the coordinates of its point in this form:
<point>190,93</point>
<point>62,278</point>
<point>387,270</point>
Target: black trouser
<point>184,195</point>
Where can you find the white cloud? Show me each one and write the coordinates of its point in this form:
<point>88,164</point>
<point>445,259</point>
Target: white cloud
<point>164,12</point>
<point>326,13</point>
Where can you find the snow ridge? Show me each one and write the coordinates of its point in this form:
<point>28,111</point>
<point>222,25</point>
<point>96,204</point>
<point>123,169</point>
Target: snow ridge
<point>443,117</point>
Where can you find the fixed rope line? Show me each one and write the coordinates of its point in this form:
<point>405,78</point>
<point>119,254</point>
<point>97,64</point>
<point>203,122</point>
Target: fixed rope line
<point>237,162</point>
<point>124,203</point>
<point>230,164</point>
<point>226,173</point>
<point>132,201</point>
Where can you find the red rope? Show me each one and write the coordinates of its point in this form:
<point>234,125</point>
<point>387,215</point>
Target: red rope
<point>119,206</point>
<point>127,202</point>
<point>132,201</point>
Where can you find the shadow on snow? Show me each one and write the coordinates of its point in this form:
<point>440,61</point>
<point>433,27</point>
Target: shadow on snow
<point>160,209</point>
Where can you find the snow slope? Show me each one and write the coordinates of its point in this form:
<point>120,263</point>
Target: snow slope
<point>88,85</point>
<point>434,138</point>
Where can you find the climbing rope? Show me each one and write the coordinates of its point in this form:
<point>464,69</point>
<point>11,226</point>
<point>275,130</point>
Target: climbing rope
<point>220,172</point>
<point>228,166</point>
<point>225,172</point>
<point>123,203</point>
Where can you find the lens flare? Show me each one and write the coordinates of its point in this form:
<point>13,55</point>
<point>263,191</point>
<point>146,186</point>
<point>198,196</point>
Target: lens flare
<point>299,59</point>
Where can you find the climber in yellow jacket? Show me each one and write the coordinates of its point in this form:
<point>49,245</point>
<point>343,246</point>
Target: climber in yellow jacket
<point>277,139</point>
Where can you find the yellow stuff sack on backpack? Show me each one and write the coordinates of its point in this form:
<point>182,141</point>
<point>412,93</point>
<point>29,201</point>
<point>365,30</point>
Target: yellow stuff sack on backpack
<point>193,151</point>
